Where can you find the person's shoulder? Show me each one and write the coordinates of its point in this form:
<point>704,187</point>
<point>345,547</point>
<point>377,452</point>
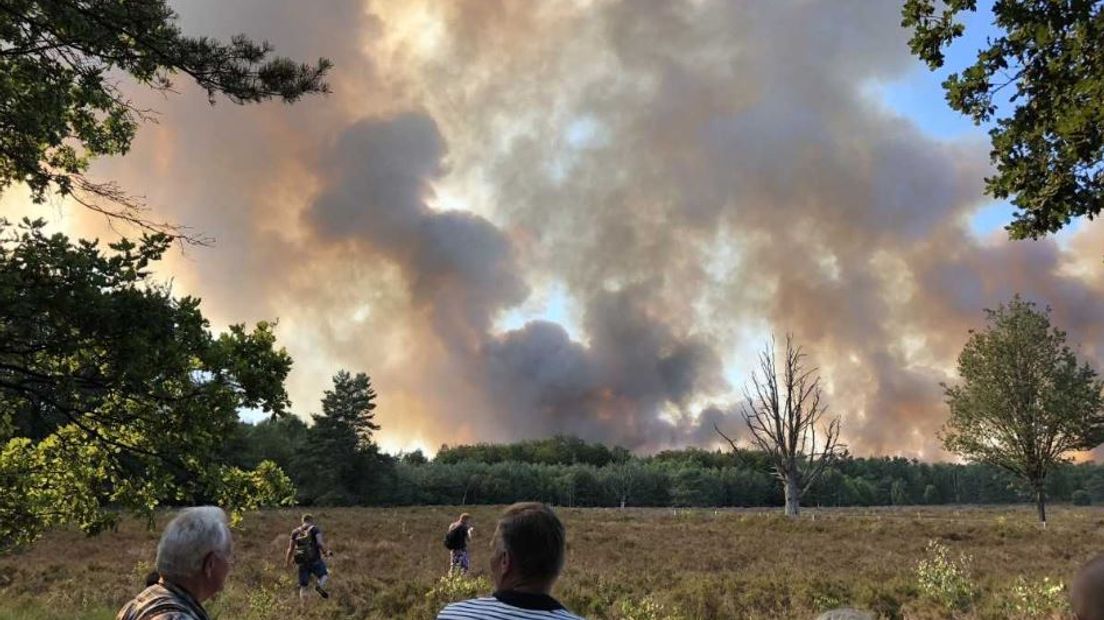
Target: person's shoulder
<point>478,608</point>
<point>171,615</point>
<point>467,610</point>
<point>158,608</point>
<point>148,599</point>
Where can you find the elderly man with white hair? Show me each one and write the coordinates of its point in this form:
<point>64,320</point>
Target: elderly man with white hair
<point>193,559</point>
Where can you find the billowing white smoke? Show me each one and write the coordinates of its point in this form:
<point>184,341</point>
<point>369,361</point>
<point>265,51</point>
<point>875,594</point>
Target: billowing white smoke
<point>693,174</point>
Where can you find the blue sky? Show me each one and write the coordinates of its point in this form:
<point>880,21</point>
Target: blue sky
<point>919,96</point>
<point>549,304</point>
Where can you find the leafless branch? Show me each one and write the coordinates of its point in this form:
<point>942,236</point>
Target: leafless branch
<point>110,201</point>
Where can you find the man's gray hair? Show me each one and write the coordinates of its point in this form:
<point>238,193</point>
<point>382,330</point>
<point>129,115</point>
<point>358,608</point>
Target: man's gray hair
<point>189,537</point>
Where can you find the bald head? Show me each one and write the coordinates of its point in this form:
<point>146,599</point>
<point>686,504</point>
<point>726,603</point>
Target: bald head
<point>1087,590</point>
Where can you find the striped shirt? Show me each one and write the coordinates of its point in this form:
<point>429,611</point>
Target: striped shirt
<point>508,606</point>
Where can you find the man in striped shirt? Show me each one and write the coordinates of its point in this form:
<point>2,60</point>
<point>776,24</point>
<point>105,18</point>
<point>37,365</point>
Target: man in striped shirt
<point>527,556</point>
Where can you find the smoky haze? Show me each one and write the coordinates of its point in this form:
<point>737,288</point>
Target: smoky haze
<point>683,178</point>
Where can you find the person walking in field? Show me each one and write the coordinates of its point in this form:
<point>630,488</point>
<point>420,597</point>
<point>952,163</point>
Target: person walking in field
<point>193,559</point>
<point>457,537</point>
<point>527,557</point>
<point>306,548</point>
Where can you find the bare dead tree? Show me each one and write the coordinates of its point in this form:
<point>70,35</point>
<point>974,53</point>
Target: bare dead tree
<point>782,413</point>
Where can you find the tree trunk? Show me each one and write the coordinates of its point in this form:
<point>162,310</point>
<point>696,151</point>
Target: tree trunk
<point>1040,499</point>
<point>793,497</point>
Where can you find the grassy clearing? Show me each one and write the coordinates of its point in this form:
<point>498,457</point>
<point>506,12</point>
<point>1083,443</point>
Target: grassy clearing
<point>641,564</point>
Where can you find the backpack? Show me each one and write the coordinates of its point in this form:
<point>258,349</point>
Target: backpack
<point>306,545</point>
<point>456,538</point>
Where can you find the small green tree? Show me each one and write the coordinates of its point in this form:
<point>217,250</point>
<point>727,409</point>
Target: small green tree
<point>1048,62</point>
<point>944,579</point>
<point>1024,402</point>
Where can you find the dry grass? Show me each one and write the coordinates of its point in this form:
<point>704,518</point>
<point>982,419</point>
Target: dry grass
<point>690,563</point>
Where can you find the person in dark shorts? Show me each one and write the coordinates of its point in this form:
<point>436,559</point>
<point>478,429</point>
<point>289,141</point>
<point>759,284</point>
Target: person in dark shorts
<point>456,541</point>
<point>306,548</point>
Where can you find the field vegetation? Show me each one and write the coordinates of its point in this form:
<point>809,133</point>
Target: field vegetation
<point>637,564</point>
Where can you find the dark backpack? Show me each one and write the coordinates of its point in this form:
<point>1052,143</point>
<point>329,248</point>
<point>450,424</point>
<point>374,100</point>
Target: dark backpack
<point>456,538</point>
<point>306,545</point>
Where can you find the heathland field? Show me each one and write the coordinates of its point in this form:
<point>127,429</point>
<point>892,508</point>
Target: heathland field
<point>636,564</point>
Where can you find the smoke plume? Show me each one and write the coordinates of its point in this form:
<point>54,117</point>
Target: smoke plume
<point>682,178</point>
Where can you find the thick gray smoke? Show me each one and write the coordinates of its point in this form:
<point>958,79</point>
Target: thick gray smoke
<point>460,271</point>
<point>689,175</point>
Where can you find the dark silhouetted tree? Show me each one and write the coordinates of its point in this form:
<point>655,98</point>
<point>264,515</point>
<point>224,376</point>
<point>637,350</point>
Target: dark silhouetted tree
<point>338,463</point>
<point>352,401</point>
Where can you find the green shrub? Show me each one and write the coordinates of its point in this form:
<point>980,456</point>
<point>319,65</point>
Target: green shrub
<point>1036,599</point>
<point>885,599</point>
<point>825,595</point>
<point>455,587</point>
<point>265,602</point>
<point>398,600</point>
<point>644,608</point>
<point>595,596</point>
<point>945,580</point>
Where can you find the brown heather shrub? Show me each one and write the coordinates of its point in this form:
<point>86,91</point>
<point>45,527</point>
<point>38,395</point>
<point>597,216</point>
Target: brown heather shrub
<point>622,565</point>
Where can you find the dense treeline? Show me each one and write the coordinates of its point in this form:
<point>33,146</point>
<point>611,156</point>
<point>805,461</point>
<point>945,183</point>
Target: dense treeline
<point>570,472</point>
<point>556,451</point>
